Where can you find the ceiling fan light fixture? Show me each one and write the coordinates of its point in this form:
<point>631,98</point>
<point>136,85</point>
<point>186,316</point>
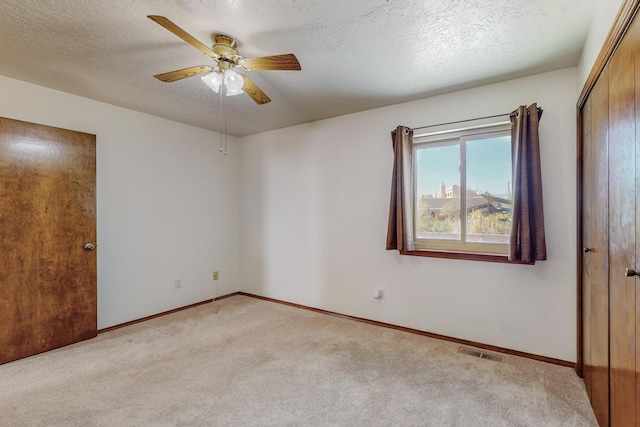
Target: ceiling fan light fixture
<point>232,81</point>
<point>213,80</point>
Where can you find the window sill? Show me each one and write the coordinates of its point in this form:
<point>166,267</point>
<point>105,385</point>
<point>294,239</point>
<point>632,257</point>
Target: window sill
<point>464,256</point>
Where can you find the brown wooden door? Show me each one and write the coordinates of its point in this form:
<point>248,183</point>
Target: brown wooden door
<point>610,229</point>
<point>622,230</point>
<point>595,238</point>
<point>47,214</point>
<point>634,36</point>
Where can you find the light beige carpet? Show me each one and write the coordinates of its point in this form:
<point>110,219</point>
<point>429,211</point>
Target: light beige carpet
<point>242,361</point>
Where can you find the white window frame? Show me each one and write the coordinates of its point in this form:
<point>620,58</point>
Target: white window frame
<point>444,137</point>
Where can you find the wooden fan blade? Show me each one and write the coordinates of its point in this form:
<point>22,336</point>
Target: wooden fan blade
<point>174,76</point>
<point>161,20</point>
<point>287,61</point>
<point>254,91</point>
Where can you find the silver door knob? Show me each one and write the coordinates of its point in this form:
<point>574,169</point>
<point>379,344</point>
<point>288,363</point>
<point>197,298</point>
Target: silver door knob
<point>89,246</point>
<point>629,272</point>
<point>585,250</point>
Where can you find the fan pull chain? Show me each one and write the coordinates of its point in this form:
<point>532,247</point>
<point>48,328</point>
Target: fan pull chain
<point>225,131</point>
<point>221,111</point>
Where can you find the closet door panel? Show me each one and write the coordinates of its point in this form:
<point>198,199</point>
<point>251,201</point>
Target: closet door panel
<point>587,284</point>
<point>634,37</point>
<point>622,229</point>
<point>596,239</point>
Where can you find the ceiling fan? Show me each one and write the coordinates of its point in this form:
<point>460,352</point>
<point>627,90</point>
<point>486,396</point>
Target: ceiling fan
<point>222,77</point>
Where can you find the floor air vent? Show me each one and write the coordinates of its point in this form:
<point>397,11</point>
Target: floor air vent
<point>480,354</point>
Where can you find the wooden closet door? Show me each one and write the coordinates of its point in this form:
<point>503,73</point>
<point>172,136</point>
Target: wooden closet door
<point>634,38</point>
<point>622,231</point>
<point>595,256</point>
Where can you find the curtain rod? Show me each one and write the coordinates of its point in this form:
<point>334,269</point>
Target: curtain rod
<point>462,121</point>
<point>473,120</point>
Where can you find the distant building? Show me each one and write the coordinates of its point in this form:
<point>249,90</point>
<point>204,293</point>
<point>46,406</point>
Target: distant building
<point>450,197</point>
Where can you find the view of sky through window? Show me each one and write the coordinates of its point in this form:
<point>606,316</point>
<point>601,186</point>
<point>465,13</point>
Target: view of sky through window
<point>488,167</point>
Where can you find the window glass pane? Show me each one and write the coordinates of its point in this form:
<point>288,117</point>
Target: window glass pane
<point>489,183</point>
<point>438,192</point>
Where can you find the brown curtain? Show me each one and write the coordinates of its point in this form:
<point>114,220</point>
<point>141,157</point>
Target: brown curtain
<point>527,242</point>
<point>400,229</point>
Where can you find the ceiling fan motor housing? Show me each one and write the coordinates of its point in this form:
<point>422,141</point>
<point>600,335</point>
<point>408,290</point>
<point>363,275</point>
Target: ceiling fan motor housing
<point>225,48</point>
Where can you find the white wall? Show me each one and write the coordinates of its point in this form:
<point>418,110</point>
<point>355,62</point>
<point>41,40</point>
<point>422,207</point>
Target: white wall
<point>167,202</point>
<point>314,205</point>
<point>606,11</point>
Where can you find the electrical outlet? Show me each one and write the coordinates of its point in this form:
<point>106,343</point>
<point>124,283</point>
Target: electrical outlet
<point>215,275</point>
<point>177,284</point>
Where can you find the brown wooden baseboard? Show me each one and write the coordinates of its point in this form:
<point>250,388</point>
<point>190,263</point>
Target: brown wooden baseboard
<point>226,296</point>
<point>144,319</point>
<point>419,332</point>
<point>358,319</point>
<point>164,313</point>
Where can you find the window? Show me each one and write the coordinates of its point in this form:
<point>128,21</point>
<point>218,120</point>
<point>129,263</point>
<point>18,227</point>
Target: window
<point>462,190</point>
<point>464,168</point>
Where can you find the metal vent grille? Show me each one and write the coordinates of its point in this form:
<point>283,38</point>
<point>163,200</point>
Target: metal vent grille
<point>480,354</point>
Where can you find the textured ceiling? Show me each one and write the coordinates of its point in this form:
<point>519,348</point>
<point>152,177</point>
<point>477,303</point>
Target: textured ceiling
<point>355,55</point>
